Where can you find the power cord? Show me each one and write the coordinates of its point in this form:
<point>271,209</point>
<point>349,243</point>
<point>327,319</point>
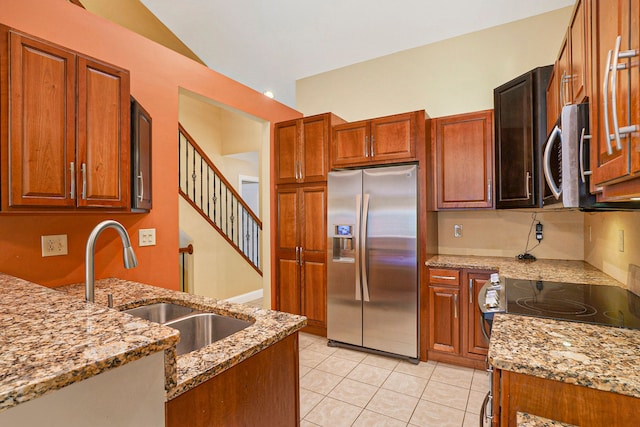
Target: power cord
<point>526,256</point>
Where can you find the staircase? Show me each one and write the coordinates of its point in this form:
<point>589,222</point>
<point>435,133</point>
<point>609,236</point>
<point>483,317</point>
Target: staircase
<point>203,186</point>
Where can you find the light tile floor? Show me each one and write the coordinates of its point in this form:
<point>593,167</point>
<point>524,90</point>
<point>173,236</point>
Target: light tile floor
<point>340,387</point>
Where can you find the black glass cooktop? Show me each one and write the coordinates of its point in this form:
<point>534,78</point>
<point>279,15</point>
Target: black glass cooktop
<point>604,305</point>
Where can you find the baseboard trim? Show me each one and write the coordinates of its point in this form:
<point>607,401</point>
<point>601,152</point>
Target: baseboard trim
<point>249,296</point>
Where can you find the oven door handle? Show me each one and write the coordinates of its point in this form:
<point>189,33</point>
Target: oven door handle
<point>484,331</point>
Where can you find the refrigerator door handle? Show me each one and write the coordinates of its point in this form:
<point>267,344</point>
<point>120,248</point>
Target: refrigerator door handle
<point>363,252</point>
<point>357,246</point>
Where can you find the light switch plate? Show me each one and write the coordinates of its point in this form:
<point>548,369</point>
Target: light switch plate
<point>147,237</point>
<point>54,245</point>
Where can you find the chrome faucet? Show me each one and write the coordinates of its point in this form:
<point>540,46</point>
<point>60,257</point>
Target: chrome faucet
<point>129,256</point>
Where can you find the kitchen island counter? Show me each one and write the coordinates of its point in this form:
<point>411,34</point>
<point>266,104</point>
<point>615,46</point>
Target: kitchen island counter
<point>50,340</point>
<point>195,368</point>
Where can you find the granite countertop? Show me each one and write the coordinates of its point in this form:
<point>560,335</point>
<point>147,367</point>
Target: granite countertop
<point>595,356</point>
<point>524,419</point>
<point>198,366</point>
<point>50,340</point>
<point>541,269</point>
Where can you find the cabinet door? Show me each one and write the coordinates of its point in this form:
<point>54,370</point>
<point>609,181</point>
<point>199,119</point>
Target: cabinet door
<point>444,319</point>
<point>42,123</point>
<point>141,157</point>
<point>287,251</point>
<point>564,73</point>
<point>476,343</point>
<point>315,148</point>
<point>578,60</point>
<point>553,99</point>
<point>609,162</point>
<point>350,144</point>
<point>286,156</point>
<point>103,135</point>
<point>313,240</point>
<point>464,160</point>
<point>514,144</point>
<point>393,138</point>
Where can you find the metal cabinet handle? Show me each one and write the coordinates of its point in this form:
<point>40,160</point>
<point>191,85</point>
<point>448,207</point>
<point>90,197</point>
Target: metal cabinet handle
<point>470,291</point>
<point>546,164</point>
<point>72,168</point>
<point>366,146</point>
<point>455,306</point>
<point>141,186</point>
<point>583,173</point>
<point>84,181</point>
<point>617,55</point>
<point>485,415</point>
<point>297,256</point>
<point>373,140</point>
<point>563,81</point>
<point>605,92</point>
<point>527,187</point>
<point>444,277</point>
<point>614,94</point>
<point>489,196</point>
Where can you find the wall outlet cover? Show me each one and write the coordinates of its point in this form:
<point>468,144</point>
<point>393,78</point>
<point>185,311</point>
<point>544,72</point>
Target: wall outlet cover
<point>54,245</point>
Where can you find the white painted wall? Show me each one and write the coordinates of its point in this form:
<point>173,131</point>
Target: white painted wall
<point>132,395</point>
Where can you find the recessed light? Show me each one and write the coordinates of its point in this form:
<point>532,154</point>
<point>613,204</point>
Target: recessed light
<point>268,94</point>
<point>635,199</point>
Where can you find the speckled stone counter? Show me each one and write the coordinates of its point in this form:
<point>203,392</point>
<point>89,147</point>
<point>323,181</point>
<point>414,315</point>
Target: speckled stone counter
<point>600,357</point>
<point>528,420</point>
<point>198,366</point>
<point>542,269</point>
<point>50,340</point>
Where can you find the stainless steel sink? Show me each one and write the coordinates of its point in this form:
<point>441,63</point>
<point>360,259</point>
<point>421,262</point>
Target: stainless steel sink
<point>161,312</point>
<point>199,330</point>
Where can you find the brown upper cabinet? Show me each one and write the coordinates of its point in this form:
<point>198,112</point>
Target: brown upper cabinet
<point>615,106</point>
<point>67,143</point>
<point>140,158</point>
<point>302,149</point>
<point>568,83</point>
<point>463,147</point>
<point>390,139</point>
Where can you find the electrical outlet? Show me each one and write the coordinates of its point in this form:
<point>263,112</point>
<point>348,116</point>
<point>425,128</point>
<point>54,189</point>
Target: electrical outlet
<point>147,237</point>
<point>621,240</point>
<point>54,245</point>
<point>457,230</point>
<point>539,231</point>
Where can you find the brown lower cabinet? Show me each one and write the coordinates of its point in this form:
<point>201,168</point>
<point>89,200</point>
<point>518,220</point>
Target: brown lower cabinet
<point>559,401</point>
<point>455,334</point>
<point>260,391</point>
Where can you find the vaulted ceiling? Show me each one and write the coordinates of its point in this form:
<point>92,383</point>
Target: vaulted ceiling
<point>268,45</point>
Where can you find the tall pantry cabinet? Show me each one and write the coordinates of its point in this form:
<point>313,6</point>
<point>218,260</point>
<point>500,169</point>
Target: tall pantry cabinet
<point>301,169</point>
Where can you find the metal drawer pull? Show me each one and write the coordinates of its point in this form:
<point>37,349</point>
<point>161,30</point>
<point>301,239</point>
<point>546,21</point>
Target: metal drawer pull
<point>455,306</point>
<point>583,173</point>
<point>614,95</point>
<point>605,92</point>
<point>141,179</point>
<point>72,167</point>
<point>84,181</point>
<point>527,188</point>
<point>470,291</point>
<point>366,146</point>
<point>444,277</point>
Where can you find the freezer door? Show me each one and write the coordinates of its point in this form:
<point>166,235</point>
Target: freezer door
<point>390,271</point>
<point>344,293</point>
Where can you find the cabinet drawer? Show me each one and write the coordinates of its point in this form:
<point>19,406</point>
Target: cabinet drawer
<point>444,276</point>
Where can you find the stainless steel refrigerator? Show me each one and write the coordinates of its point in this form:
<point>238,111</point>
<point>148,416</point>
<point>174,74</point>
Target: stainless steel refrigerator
<point>372,286</point>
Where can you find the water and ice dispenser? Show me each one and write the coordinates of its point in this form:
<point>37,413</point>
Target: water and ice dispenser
<point>343,244</point>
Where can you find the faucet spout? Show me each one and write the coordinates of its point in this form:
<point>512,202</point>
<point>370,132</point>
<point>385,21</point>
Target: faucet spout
<point>129,257</point>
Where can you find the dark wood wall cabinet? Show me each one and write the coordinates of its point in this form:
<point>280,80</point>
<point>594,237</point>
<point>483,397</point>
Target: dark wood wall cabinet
<point>463,160</point>
<point>141,199</point>
<point>520,133</point>
<point>384,140</point>
<point>65,128</point>
<point>455,334</point>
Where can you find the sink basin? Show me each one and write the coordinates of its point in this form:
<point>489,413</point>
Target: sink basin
<point>161,312</point>
<point>199,330</point>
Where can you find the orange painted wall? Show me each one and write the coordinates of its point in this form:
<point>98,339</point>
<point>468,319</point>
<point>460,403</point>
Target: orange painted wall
<point>157,74</point>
